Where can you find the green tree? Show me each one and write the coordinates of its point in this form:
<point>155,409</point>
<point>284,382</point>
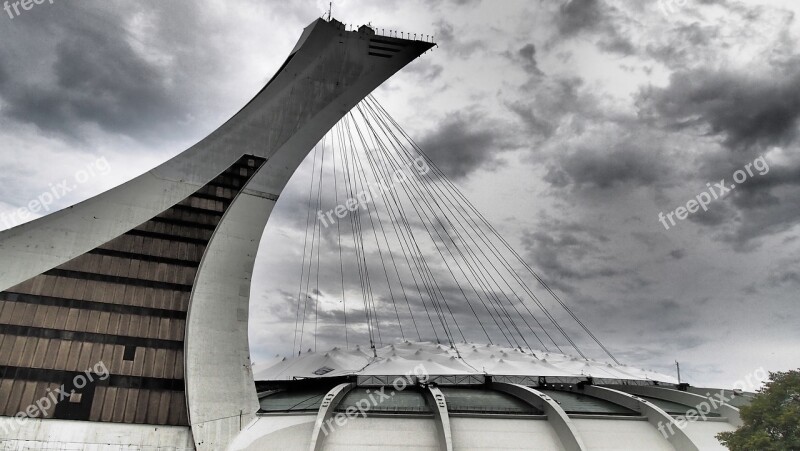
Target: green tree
<point>772,420</point>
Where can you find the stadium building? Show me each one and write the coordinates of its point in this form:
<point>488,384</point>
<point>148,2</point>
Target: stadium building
<point>124,318</point>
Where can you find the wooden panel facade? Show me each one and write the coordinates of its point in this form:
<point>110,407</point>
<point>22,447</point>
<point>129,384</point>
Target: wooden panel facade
<point>107,327</point>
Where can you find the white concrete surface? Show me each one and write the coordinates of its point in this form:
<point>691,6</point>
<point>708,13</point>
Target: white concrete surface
<point>474,434</point>
<point>621,435</point>
<point>69,435</point>
<point>272,432</point>
<point>372,433</point>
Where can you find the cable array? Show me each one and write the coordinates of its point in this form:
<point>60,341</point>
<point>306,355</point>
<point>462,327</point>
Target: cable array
<point>421,254</point>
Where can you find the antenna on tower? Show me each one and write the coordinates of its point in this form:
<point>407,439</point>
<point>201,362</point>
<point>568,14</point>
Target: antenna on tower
<point>678,366</point>
<point>330,11</point>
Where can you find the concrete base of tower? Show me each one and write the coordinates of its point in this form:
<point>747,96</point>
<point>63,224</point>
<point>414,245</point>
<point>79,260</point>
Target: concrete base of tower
<point>68,435</point>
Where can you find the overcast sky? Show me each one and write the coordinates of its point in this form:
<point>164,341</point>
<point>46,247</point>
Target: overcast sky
<point>570,124</point>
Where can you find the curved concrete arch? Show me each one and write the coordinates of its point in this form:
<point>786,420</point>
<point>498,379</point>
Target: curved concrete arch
<point>323,422</point>
<point>657,417</point>
<point>716,403</point>
<point>565,429</point>
<point>438,404</point>
<point>334,72</point>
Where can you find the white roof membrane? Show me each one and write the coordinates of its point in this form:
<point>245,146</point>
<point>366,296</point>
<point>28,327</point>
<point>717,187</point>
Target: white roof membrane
<point>436,359</point>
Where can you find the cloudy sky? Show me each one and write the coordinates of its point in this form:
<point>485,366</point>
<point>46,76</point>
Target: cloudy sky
<point>570,124</point>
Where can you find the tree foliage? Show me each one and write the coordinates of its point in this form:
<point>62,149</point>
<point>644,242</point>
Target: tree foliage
<point>772,420</point>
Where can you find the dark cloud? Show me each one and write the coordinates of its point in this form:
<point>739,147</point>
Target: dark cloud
<point>682,43</point>
<point>98,79</point>
<point>617,44</point>
<point>452,42</point>
<point>141,70</point>
<point>747,110</point>
<point>597,18</point>
<point>569,251</point>
<point>594,164</point>
<point>579,15</point>
<point>762,222</point>
<point>718,214</point>
<point>426,70</point>
<point>671,317</point>
<point>462,143</point>
<point>526,58</point>
<point>756,208</point>
<point>547,102</point>
<point>677,254</point>
<point>3,74</point>
<point>791,278</point>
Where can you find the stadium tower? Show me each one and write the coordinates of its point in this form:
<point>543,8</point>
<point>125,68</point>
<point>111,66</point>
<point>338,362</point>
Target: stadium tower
<point>123,319</point>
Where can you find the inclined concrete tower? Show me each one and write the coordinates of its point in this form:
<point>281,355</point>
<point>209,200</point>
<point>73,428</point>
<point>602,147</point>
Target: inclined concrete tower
<point>136,301</point>
<point>123,319</point>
